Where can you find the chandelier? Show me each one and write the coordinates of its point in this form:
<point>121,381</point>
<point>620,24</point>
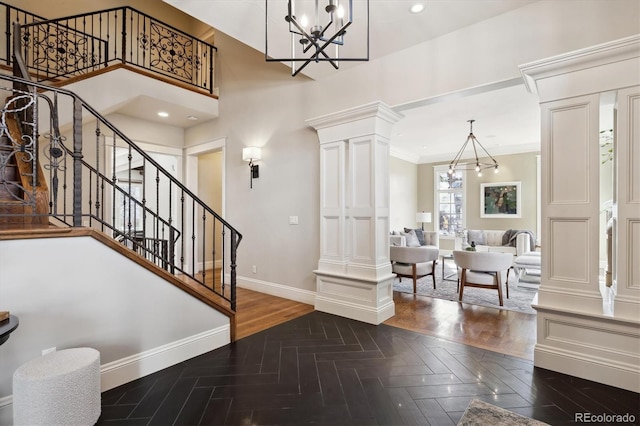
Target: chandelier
<point>316,33</point>
<point>479,166</point>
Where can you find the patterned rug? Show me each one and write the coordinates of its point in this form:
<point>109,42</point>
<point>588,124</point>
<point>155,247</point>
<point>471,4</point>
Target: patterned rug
<point>519,298</point>
<point>480,413</point>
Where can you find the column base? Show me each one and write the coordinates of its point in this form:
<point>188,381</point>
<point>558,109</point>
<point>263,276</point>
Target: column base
<point>365,300</point>
<point>598,348</point>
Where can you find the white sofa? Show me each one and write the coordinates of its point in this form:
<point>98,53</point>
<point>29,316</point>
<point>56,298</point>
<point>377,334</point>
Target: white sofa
<point>399,238</point>
<point>493,240</point>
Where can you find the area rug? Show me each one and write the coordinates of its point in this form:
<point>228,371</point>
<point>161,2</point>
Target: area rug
<point>519,298</point>
<point>480,413</point>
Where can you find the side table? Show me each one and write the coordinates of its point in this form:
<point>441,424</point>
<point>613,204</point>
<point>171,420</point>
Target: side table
<point>446,257</point>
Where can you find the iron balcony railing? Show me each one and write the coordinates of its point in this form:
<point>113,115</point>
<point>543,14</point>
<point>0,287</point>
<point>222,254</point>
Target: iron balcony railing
<point>97,177</point>
<point>73,46</point>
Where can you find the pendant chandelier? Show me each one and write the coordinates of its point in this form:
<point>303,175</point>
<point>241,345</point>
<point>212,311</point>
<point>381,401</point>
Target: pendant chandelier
<point>478,166</point>
<point>316,33</point>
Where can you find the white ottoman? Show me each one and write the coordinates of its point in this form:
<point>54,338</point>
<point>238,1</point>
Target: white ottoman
<point>60,388</point>
<point>527,267</point>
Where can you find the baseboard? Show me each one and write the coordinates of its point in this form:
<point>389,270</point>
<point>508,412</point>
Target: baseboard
<point>209,264</point>
<point>590,346</point>
<point>279,290</point>
<point>588,368</point>
<point>354,311</point>
<point>133,367</point>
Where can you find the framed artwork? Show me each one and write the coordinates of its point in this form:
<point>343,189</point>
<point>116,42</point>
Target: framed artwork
<point>500,200</point>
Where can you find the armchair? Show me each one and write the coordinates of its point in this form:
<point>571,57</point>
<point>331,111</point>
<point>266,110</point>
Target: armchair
<point>483,270</point>
<point>414,262</point>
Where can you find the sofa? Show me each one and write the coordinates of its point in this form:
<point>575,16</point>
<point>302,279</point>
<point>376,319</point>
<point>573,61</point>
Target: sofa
<point>512,241</point>
<point>414,238</point>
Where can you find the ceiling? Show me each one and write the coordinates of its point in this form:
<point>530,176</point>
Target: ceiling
<point>507,117</point>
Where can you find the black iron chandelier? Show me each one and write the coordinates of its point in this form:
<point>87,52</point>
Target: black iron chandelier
<point>478,166</point>
<point>316,33</point>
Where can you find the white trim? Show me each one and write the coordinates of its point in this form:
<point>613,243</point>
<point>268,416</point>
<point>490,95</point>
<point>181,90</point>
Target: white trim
<point>125,370</point>
<point>404,155</point>
<point>7,400</point>
<point>355,311</point>
<point>209,264</point>
<point>191,182</point>
<point>590,368</point>
<point>203,148</point>
<point>279,290</point>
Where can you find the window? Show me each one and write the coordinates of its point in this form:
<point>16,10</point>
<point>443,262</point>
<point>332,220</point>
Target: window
<point>449,200</point>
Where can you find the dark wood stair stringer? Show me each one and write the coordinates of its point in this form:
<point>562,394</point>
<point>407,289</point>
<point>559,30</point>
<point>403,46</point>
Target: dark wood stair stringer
<point>17,170</point>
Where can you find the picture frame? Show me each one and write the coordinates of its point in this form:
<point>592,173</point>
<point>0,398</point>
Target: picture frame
<point>501,200</point>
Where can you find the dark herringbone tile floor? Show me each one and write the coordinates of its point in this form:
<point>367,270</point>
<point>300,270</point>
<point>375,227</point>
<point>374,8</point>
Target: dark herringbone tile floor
<point>328,370</point>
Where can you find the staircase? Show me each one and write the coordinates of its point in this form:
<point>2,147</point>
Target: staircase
<point>50,177</point>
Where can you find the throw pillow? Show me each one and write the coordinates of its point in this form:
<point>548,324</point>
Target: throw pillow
<point>475,236</point>
<point>412,239</point>
<point>419,234</point>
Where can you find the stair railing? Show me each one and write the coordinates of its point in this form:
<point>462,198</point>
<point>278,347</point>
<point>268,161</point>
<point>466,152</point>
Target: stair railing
<point>72,46</point>
<point>103,180</point>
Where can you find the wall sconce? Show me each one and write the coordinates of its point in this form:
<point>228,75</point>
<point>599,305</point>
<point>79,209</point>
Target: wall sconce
<point>252,154</point>
<point>423,217</point>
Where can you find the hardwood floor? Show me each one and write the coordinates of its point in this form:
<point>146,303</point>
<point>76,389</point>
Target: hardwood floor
<point>327,370</point>
<point>259,311</point>
<point>504,331</point>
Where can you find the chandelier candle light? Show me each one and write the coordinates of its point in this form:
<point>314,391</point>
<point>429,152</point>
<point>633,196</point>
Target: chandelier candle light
<point>478,166</point>
<point>312,30</point>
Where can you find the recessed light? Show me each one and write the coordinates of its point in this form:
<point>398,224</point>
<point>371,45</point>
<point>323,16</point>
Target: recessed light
<point>417,8</point>
<point>163,114</point>
<point>192,117</point>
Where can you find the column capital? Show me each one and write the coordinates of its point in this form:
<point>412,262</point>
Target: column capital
<point>372,118</point>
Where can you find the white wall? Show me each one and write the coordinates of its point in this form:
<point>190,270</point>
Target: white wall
<point>262,105</point>
<point>77,292</point>
<point>403,194</point>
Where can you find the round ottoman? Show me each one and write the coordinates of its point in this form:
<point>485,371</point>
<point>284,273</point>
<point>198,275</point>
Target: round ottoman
<point>60,388</point>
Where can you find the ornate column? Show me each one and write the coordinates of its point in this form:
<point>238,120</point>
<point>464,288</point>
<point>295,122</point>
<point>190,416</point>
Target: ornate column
<point>575,336</point>
<point>354,277</point>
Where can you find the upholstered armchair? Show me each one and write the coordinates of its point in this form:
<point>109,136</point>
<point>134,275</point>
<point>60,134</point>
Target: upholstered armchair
<point>483,270</point>
<point>414,262</point>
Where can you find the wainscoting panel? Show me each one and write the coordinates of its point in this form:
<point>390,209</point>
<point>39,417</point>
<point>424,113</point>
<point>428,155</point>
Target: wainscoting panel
<point>360,159</point>
<point>362,239</point>
<point>627,224</point>
<point>570,205</point>
<point>569,236</point>
<point>569,150</point>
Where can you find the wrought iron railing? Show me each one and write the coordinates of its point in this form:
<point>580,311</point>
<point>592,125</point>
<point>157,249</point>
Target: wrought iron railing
<point>73,46</point>
<point>8,15</point>
<point>105,181</point>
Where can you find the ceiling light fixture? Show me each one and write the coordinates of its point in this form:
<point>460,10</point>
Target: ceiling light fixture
<point>416,8</point>
<point>478,166</point>
<point>192,117</point>
<point>163,114</point>
<point>309,39</point>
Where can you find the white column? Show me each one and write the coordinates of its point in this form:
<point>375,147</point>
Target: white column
<point>627,205</point>
<point>574,334</point>
<point>354,277</point>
